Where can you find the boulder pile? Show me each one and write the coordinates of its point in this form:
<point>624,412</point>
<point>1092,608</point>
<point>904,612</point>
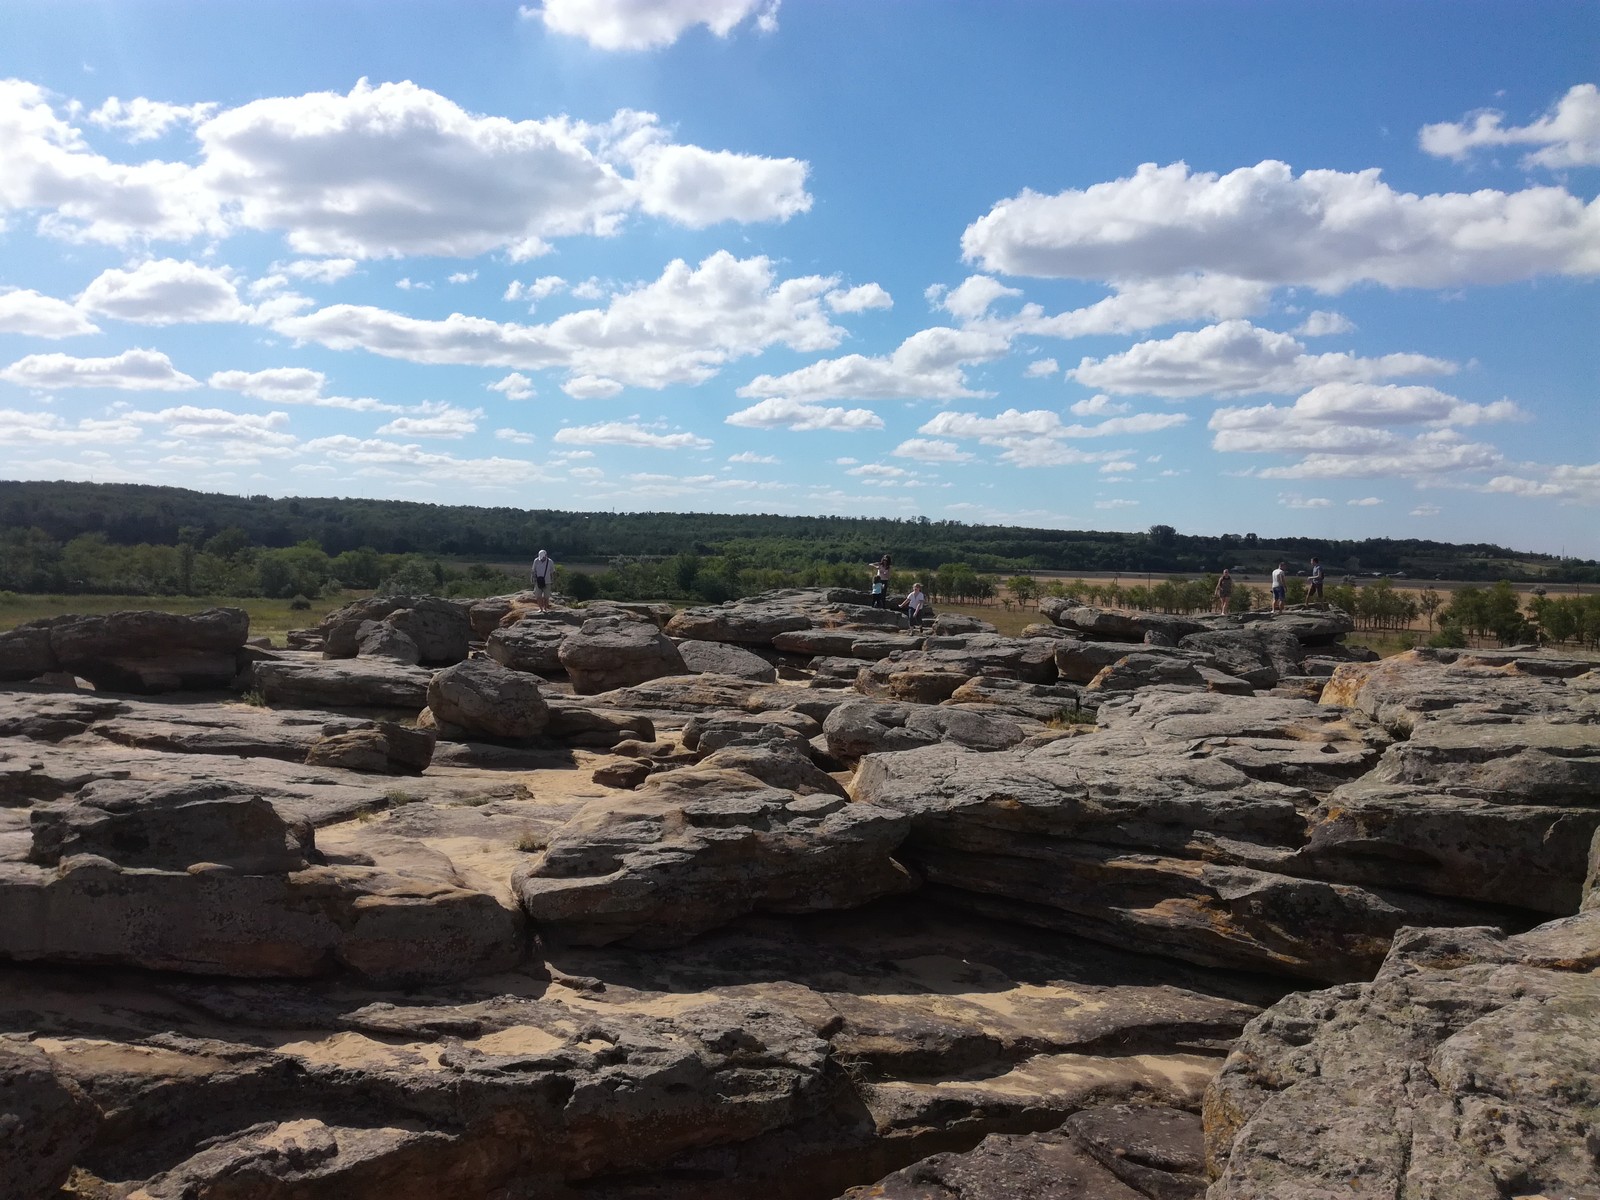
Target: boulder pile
<point>782,897</point>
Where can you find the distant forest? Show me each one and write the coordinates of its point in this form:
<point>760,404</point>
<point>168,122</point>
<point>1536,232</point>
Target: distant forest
<point>36,517</point>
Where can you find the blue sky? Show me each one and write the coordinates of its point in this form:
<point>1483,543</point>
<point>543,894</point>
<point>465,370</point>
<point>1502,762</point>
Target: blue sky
<point>1283,268</point>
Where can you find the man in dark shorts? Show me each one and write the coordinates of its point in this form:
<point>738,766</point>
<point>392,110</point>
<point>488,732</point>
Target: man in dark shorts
<point>1280,588</point>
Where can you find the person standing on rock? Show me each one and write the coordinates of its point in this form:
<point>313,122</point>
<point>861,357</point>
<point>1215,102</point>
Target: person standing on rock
<point>1224,592</point>
<point>880,582</point>
<point>1314,587</point>
<point>544,573</point>
<point>1280,589</point>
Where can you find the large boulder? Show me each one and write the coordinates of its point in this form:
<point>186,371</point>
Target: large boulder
<point>381,747</point>
<point>617,652</point>
<point>132,651</point>
<point>748,623</point>
<point>481,699</point>
<point>440,629</point>
<point>864,727</point>
<point>347,683</point>
<point>1115,624</point>
<point>1469,1067</point>
<point>532,643</point>
<point>721,658</point>
<point>693,849</point>
<point>46,1121</point>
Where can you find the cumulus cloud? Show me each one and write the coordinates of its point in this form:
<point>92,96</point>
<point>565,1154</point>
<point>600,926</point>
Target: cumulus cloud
<point>132,370</point>
<point>681,328</point>
<point>515,386</point>
<point>1325,324</point>
<point>1236,358</point>
<point>260,430</point>
<point>545,285</point>
<point>750,456</point>
<point>781,412</point>
<point>318,270</point>
<point>436,420</point>
<point>33,314</point>
<point>515,435</point>
<point>591,387</point>
<point>143,120</point>
<point>1566,136</point>
<point>47,429</point>
<point>294,385</point>
<point>1012,426</point>
<point>384,170</point>
<point>1042,368</point>
<point>973,296</point>
<point>165,292</point>
<point>1137,305</point>
<point>1569,483</point>
<point>1426,510</point>
<point>376,457</point>
<point>1334,407</point>
<point>1105,504</point>
<point>1365,502</point>
<point>1098,406</point>
<point>627,433</point>
<point>859,299</point>
<point>648,24</point>
<point>928,365</point>
<point>1296,500</point>
<point>1439,453</point>
<point>931,451</point>
<point>1323,229</point>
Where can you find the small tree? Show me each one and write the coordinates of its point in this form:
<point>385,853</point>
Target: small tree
<point>1429,602</point>
<point>1023,587</point>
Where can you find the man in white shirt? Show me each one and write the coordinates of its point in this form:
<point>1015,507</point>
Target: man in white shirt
<point>1280,589</point>
<point>544,573</point>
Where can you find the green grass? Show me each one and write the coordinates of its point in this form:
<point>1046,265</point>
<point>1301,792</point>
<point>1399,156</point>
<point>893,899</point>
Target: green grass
<point>268,618</point>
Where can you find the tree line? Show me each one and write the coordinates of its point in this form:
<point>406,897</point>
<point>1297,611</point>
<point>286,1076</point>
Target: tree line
<point>136,514</point>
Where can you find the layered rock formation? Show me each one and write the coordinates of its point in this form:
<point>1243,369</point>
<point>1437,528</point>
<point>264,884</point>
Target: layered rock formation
<point>778,897</point>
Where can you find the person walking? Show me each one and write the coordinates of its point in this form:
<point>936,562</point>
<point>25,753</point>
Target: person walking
<point>916,604</point>
<point>544,573</point>
<point>880,582</point>
<point>1314,587</point>
<point>1224,592</point>
<point>1280,589</point>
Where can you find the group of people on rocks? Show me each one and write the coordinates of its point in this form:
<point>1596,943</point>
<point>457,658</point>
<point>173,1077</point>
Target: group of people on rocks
<point>915,605</point>
<point>1280,586</point>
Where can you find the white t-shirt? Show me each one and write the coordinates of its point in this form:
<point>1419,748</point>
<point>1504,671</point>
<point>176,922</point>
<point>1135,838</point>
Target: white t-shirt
<point>1277,577</point>
<point>915,601</point>
<point>544,571</point>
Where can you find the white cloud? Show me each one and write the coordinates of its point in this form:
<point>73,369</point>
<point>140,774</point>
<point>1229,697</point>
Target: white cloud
<point>1296,500</point>
<point>142,120</point>
<point>374,457</point>
<point>1118,467</point>
<point>1043,424</point>
<point>409,285</point>
<point>681,328</point>
<point>515,386</point>
<point>1365,502</point>
<point>462,277</point>
<point>132,370</point>
<point>33,314</point>
<point>1366,406</point>
<point>859,299</point>
<point>1324,229</point>
<point>1570,483</point>
<point>625,433</point>
<point>1237,358</point>
<point>515,435</point>
<point>1567,136</point>
<point>318,270</point>
<point>878,472</point>
<point>293,385</point>
<point>1426,510</point>
<point>781,412</point>
<point>1325,324</point>
<point>47,429</point>
<point>1442,452</point>
<point>1042,368</point>
<point>435,419</point>
<point>972,298</point>
<point>928,365</point>
<point>1098,406</point>
<point>165,291</point>
<point>539,289</point>
<point>750,456</point>
<point>931,451</point>
<point>261,431</point>
<point>648,24</point>
<point>591,387</point>
<point>1116,504</point>
<point>1136,305</point>
<point>697,188</point>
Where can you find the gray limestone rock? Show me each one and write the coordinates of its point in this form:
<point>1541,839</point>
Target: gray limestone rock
<point>480,699</point>
<point>616,652</point>
<point>720,658</point>
<point>863,727</point>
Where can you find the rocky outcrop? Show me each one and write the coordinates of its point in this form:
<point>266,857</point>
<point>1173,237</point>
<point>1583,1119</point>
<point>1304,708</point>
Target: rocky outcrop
<point>381,747</point>
<point>864,727</point>
<point>532,643</point>
<point>439,629</point>
<point>720,658</point>
<point>140,652</point>
<point>45,1119</point>
<point>481,699</point>
<point>307,682</point>
<point>692,849</point>
<point>617,652</point>
<point>1468,1067</point>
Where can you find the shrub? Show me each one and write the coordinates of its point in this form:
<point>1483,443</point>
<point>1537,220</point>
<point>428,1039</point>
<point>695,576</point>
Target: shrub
<point>1449,637</point>
<point>299,603</point>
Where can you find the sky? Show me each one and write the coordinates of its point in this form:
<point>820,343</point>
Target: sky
<point>1296,269</point>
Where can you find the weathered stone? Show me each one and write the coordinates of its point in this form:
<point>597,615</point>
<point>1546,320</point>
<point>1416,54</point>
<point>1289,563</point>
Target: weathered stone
<point>46,1122</point>
<point>380,639</point>
<point>1467,1068</point>
<point>720,658</point>
<point>746,623</point>
<point>1146,669</point>
<point>353,683</point>
<point>1034,701</point>
<point>532,643</point>
<point>1260,654</point>
<point>712,731</point>
<point>1115,623</point>
<point>139,651</point>
<point>871,726</point>
<point>173,827</point>
<point>1079,661</point>
<point>777,763</point>
<point>440,629</point>
<point>482,699</point>
<point>381,747</point>
<point>617,652</point>
<point>584,725</point>
<point>25,652</point>
<point>692,849</point>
